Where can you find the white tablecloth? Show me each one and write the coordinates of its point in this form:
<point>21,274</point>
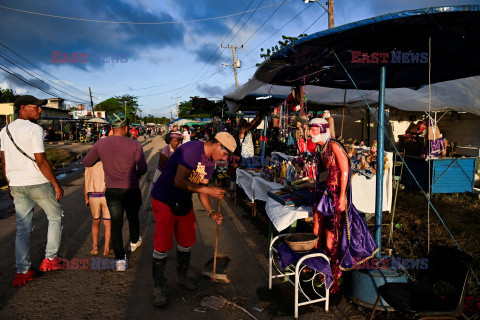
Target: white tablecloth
<point>283,216</point>
<point>255,186</point>
<point>364,190</point>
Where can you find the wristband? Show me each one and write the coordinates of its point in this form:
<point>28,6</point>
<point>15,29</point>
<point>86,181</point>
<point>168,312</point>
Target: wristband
<point>210,212</point>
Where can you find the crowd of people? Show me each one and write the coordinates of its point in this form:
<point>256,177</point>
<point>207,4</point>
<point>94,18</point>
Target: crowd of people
<point>114,166</point>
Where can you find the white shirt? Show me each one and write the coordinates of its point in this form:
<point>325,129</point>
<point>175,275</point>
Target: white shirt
<point>20,170</point>
<point>186,136</point>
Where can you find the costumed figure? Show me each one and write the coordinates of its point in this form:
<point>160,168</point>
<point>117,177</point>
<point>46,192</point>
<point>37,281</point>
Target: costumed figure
<point>336,220</point>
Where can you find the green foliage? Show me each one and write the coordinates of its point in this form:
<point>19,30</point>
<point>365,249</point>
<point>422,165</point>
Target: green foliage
<point>120,103</point>
<point>184,108</point>
<point>282,43</point>
<point>8,95</point>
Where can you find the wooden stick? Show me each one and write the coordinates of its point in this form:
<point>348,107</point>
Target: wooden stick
<point>216,242</point>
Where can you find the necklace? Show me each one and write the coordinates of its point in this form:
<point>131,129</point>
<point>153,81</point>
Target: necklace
<point>324,147</point>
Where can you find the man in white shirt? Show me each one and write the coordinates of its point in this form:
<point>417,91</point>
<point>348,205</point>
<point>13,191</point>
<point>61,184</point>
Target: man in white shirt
<point>31,181</point>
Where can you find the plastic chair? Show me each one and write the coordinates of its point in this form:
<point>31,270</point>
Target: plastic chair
<point>296,271</point>
<point>439,292</point>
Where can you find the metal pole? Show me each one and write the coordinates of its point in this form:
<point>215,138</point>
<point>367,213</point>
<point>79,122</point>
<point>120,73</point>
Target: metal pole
<point>380,155</point>
<point>264,143</point>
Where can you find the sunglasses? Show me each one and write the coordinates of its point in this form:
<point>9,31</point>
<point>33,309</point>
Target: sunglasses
<point>322,127</point>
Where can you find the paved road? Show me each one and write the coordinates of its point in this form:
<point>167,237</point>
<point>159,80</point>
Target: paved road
<point>86,291</point>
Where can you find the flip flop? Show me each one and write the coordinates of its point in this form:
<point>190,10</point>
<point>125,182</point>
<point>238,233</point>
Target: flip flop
<point>94,251</point>
<point>110,253</point>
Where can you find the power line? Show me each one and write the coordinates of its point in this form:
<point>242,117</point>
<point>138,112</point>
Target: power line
<point>238,20</point>
<point>137,23</point>
<point>13,63</point>
<point>40,69</point>
<point>278,8</point>
<point>274,33</point>
<point>243,25</point>
<point>314,22</point>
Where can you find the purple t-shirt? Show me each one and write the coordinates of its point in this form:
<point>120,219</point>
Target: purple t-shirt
<point>192,156</point>
<point>123,161</point>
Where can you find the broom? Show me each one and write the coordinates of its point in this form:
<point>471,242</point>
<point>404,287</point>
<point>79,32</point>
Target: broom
<point>214,276</point>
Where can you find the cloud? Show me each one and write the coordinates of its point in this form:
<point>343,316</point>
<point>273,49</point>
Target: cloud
<point>214,90</point>
<point>37,36</point>
<point>16,83</point>
<point>208,53</point>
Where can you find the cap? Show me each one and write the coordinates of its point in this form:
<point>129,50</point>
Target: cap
<point>26,100</point>
<point>226,140</point>
<point>117,119</point>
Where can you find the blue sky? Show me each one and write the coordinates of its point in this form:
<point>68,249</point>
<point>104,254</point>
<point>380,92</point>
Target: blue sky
<point>156,62</point>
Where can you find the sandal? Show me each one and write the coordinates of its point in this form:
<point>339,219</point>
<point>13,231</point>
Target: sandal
<point>109,253</point>
<point>94,251</point>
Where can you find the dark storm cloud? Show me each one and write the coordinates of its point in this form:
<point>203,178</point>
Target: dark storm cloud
<point>36,37</point>
<point>17,83</point>
<point>208,53</point>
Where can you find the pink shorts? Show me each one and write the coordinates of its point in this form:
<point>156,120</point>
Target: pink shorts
<point>167,225</point>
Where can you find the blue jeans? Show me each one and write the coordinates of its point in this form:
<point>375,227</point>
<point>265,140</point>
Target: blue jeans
<point>24,198</point>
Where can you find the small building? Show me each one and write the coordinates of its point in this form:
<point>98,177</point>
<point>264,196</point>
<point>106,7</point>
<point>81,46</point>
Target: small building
<point>6,114</point>
<point>56,103</point>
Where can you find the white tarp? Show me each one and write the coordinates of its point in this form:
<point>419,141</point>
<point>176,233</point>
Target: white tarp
<point>459,95</point>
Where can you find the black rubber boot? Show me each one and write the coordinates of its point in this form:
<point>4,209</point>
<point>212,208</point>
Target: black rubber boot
<point>159,295</point>
<point>183,263</point>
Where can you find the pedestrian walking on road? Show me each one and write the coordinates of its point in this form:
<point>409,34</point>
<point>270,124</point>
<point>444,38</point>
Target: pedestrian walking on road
<point>123,163</point>
<point>187,171</point>
<point>31,181</point>
<point>94,190</point>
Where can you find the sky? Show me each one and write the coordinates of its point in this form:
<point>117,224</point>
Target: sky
<point>155,50</point>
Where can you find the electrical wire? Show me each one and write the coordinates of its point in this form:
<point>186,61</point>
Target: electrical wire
<point>47,84</point>
<point>137,23</point>
<point>245,22</point>
<point>40,69</point>
<point>278,8</point>
<point>274,33</point>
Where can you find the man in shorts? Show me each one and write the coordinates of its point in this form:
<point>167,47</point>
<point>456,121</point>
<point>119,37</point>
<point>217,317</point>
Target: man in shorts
<point>187,171</point>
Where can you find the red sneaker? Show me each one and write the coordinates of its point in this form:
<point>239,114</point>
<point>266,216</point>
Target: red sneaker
<point>49,265</point>
<point>20,279</point>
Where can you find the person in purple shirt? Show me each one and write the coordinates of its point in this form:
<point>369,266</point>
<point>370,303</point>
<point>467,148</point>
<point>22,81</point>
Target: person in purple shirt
<point>186,172</point>
<point>123,163</point>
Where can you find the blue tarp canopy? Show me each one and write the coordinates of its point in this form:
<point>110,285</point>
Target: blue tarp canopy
<point>399,41</point>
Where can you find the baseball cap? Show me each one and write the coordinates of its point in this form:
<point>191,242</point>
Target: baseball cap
<point>226,140</point>
<point>27,99</point>
<point>117,119</point>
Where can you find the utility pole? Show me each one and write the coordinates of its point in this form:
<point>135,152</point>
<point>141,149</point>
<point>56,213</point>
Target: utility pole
<point>331,17</point>
<point>125,102</point>
<point>234,61</point>
<point>91,101</point>
<point>329,9</point>
<point>176,104</point>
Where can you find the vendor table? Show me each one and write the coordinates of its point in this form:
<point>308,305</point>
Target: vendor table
<point>363,195</point>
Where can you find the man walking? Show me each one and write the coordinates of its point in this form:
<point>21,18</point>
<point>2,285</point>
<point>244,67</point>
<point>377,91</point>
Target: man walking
<point>187,171</point>
<point>123,163</point>
<point>30,180</point>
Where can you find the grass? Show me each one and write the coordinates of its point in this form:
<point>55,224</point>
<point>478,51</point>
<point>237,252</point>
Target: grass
<point>461,215</point>
<point>55,156</point>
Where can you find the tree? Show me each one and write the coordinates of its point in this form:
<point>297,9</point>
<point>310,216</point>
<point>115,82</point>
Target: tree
<point>184,109</point>
<point>132,106</point>
<point>8,95</point>
<point>109,106</point>
<point>282,43</point>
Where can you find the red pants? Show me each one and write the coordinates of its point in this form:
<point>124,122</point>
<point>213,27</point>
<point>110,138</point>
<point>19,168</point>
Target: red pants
<point>166,225</point>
